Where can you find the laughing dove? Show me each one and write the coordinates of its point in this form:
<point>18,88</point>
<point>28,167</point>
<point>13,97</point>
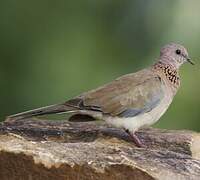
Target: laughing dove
<point>132,101</point>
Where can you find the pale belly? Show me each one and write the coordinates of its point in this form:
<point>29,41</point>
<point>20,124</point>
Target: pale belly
<point>137,122</point>
<point>143,120</point>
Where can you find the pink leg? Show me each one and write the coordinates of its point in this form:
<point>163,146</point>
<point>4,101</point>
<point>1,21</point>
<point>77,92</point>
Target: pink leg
<point>134,138</point>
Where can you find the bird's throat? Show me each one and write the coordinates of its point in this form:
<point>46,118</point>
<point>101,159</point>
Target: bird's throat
<point>169,72</point>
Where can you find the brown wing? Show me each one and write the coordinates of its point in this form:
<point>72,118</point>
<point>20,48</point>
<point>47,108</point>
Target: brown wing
<point>129,95</point>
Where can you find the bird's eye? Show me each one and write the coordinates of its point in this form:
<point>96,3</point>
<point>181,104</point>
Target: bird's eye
<point>178,51</point>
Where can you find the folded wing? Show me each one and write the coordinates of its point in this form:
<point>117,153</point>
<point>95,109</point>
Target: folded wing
<point>127,96</point>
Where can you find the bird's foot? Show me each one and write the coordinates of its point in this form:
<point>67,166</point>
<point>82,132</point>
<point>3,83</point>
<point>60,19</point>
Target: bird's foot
<point>135,139</point>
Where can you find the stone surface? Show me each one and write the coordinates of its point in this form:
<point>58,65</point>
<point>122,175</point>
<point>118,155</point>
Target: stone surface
<point>40,149</point>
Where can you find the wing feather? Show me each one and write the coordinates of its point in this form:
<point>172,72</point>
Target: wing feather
<point>127,96</point>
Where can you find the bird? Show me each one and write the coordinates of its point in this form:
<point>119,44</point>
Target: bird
<point>130,102</point>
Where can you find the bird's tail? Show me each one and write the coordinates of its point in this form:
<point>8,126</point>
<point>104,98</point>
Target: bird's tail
<point>53,109</point>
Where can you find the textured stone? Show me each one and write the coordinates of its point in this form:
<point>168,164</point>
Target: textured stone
<point>40,149</point>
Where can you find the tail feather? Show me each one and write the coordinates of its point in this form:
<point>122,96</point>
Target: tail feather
<point>53,109</point>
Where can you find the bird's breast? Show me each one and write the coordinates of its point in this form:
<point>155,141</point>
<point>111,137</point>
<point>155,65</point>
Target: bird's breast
<point>141,120</point>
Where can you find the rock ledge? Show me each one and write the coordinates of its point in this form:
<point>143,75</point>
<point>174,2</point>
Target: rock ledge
<point>41,149</point>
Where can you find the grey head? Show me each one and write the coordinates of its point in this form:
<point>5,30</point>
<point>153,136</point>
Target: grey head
<point>174,54</point>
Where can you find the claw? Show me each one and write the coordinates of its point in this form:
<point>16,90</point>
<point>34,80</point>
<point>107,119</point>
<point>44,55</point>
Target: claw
<point>135,139</point>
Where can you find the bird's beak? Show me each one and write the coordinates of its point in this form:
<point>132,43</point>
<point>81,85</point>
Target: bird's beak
<point>190,61</point>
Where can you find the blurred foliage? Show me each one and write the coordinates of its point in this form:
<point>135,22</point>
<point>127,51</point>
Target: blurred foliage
<point>53,50</point>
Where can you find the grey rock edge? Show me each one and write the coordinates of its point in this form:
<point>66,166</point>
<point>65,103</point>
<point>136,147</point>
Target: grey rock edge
<point>41,149</point>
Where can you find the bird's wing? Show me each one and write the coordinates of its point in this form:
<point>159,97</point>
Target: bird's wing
<point>127,96</point>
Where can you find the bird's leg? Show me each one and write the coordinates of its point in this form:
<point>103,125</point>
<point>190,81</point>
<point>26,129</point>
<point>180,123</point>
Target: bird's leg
<point>134,138</point>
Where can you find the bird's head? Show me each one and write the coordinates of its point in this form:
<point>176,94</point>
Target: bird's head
<point>175,55</point>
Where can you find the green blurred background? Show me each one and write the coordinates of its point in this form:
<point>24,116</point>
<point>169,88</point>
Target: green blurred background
<point>53,50</point>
